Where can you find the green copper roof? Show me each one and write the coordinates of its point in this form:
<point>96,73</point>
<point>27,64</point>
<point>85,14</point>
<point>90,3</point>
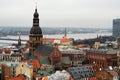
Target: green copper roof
<point>44,60</point>
<point>65,60</point>
<point>45,72</point>
<point>26,55</point>
<point>42,73</point>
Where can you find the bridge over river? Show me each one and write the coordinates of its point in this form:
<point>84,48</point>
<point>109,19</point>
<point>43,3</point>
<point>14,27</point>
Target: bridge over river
<point>8,39</point>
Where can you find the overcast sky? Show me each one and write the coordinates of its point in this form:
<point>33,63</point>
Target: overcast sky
<point>60,13</point>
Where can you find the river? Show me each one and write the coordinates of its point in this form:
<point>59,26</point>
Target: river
<point>75,36</point>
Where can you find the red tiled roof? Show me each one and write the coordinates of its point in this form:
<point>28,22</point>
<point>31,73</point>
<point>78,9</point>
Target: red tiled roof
<point>70,78</point>
<point>7,51</point>
<point>64,39</point>
<point>45,78</point>
<point>81,45</point>
<point>48,40</point>
<point>36,63</point>
<point>92,78</point>
<point>20,77</point>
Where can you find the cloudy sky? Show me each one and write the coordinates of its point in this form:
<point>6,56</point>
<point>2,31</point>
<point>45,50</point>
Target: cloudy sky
<point>60,13</point>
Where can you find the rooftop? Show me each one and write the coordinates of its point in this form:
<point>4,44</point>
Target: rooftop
<point>60,75</point>
<point>44,49</point>
<point>20,77</point>
<point>81,72</point>
<point>103,51</point>
<point>44,60</point>
<point>35,63</point>
<point>45,72</point>
<point>71,51</point>
<point>14,64</point>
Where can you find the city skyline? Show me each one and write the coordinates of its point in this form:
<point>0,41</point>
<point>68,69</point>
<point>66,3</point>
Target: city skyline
<point>62,13</point>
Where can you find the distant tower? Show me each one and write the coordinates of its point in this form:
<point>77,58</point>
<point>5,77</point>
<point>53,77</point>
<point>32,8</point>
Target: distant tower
<point>65,32</point>
<point>99,34</point>
<point>19,40</point>
<point>35,36</point>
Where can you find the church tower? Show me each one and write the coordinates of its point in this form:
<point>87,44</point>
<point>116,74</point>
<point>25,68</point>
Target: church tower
<point>19,40</point>
<point>35,36</point>
<point>65,33</point>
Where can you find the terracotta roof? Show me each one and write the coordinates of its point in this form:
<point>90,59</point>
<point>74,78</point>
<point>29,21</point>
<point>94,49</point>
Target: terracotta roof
<point>36,63</point>
<point>65,40</point>
<point>92,78</point>
<point>20,77</point>
<point>45,78</point>
<point>7,51</point>
<point>70,78</point>
<point>51,40</point>
<point>48,40</point>
<point>81,45</point>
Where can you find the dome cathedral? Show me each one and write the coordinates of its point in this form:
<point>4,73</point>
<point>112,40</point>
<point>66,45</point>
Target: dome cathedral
<point>36,28</point>
<point>35,36</point>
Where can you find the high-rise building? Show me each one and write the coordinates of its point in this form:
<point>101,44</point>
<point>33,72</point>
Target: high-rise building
<point>116,28</point>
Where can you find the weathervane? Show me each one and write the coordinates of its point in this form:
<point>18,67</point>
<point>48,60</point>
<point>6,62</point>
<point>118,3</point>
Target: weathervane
<point>36,3</point>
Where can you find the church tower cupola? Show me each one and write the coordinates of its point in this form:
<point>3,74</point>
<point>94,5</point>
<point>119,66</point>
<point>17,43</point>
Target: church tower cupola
<point>36,29</point>
<point>36,15</point>
<point>35,36</point>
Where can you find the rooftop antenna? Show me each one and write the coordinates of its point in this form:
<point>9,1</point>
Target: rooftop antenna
<point>36,3</point>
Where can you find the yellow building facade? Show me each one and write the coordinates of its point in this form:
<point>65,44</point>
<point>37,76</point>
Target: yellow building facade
<point>25,69</point>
